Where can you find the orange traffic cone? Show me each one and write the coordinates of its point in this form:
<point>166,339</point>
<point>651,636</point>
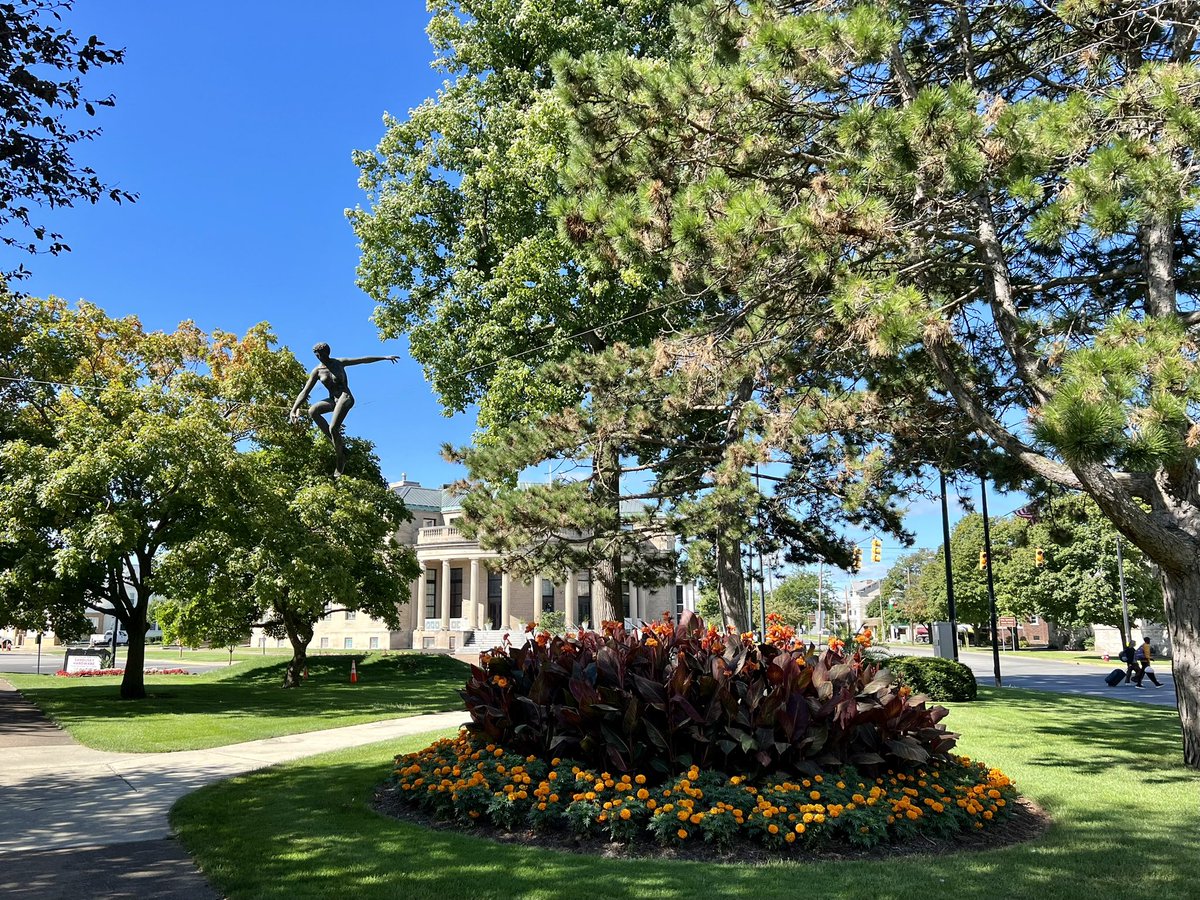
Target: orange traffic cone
<point>353,672</point>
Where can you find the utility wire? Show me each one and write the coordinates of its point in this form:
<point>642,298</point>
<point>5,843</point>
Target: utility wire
<point>457,372</point>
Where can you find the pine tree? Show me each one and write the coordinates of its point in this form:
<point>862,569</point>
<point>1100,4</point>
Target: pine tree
<point>994,203</point>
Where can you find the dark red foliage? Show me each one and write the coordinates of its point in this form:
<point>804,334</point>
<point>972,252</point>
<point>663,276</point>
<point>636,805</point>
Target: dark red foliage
<point>677,694</point>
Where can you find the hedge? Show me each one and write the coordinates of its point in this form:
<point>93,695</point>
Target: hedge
<point>939,679</point>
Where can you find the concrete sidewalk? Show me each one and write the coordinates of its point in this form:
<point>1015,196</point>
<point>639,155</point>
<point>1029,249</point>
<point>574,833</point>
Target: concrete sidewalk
<point>67,809</point>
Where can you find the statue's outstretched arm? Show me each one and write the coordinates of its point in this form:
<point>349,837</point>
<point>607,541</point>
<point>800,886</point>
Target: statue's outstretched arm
<point>359,360</point>
<point>294,415</point>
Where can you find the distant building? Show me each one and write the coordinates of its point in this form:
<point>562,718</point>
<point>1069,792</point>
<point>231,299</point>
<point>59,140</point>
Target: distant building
<point>863,602</point>
<point>463,600</point>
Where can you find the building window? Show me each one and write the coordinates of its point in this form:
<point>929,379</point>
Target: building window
<point>625,600</point>
<point>583,593</point>
<point>495,596</point>
<point>374,644</point>
<point>348,643</point>
<point>679,601</point>
<point>547,595</point>
<point>431,593</point>
<point>324,643</point>
<point>351,615</point>
<point>456,593</point>
<point>429,523</point>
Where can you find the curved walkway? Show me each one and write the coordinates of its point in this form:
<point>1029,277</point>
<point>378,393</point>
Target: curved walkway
<point>81,822</point>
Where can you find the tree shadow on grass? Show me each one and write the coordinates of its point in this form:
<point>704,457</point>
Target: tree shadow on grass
<point>253,833</point>
<point>1116,736</point>
<point>388,685</point>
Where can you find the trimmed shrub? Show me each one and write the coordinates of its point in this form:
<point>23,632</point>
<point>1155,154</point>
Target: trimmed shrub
<point>937,678</point>
<point>670,696</point>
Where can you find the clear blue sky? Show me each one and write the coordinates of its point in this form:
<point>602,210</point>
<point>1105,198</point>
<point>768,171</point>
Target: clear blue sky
<point>235,124</point>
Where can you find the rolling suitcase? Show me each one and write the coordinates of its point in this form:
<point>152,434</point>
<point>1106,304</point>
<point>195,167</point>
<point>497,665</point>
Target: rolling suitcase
<point>1115,677</point>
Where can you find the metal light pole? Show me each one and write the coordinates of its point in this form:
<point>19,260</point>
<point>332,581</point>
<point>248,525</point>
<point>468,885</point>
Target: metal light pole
<point>987,549</point>
<point>1124,599</point>
<point>949,571</point>
<point>820,600</point>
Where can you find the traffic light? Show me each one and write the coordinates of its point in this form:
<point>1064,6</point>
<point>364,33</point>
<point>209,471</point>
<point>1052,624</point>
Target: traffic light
<point>983,560</point>
<point>856,559</point>
<point>876,550</point>
<point>1039,557</point>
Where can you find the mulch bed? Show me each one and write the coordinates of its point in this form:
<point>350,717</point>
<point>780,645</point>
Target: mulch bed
<point>1027,822</point>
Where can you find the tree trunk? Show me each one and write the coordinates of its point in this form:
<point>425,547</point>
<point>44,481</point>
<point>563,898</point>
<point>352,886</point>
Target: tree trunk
<point>299,635</point>
<point>731,587</point>
<point>133,682</point>
<point>608,602</point>
<point>1181,599</point>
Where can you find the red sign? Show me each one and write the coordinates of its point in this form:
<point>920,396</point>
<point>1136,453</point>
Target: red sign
<point>1006,622</point>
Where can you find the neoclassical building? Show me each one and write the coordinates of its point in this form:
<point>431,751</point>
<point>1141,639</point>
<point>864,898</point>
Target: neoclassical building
<point>463,601</point>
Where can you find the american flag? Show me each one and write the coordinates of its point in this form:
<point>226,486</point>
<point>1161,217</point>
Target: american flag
<point>1028,513</point>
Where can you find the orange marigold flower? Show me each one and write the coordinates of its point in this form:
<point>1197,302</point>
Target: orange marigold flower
<point>682,834</point>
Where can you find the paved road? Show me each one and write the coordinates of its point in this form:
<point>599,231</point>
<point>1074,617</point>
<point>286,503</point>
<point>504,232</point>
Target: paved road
<point>1026,669</point>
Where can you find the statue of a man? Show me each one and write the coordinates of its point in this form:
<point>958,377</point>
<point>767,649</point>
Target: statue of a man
<point>332,374</point>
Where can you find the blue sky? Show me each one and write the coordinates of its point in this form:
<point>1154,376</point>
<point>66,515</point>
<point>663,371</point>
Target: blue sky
<point>236,130</point>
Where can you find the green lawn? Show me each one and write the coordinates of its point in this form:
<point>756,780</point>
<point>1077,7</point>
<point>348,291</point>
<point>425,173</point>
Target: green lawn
<point>245,702</point>
<point>1125,811</point>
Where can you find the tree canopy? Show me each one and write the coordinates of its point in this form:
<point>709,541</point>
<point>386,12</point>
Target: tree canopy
<point>994,204</point>
<point>41,84</point>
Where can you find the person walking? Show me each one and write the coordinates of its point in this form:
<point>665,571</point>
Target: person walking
<point>1144,656</point>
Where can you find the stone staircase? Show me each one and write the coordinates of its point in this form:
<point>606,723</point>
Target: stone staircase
<point>481,640</point>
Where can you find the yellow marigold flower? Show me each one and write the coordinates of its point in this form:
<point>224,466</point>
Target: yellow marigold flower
<point>682,834</point>
<point>800,828</point>
<point>643,794</point>
<point>651,803</point>
<point>625,814</point>
<point>814,795</point>
<point>789,837</point>
<point>773,828</point>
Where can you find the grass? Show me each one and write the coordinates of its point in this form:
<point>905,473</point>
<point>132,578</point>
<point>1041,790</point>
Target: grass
<point>1125,811</point>
<point>245,702</point>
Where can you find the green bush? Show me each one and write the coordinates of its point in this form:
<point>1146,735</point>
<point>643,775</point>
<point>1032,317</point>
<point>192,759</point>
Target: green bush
<point>937,678</point>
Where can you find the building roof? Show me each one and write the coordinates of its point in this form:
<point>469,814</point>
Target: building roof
<point>417,497</point>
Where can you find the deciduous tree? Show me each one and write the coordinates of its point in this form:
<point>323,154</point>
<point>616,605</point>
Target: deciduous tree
<point>41,90</point>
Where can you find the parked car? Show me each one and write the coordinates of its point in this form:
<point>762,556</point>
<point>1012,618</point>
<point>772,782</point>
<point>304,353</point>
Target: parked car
<point>105,640</point>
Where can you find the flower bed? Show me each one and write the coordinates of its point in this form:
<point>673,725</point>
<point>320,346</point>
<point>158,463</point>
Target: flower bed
<point>470,781</point>
<point>702,739</point>
<point>92,673</point>
<point>670,695</point>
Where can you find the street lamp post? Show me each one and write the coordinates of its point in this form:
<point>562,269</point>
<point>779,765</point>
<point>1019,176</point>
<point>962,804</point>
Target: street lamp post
<point>987,549</point>
<point>1124,599</point>
<point>949,572</point>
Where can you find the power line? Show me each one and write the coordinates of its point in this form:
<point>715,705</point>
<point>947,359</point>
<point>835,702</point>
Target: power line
<point>569,337</point>
<point>93,387</point>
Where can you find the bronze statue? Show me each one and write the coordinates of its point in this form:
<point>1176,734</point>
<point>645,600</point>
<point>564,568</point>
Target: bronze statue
<point>332,374</point>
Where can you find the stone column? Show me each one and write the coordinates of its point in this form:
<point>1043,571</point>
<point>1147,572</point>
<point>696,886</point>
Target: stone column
<point>445,595</point>
<point>505,605</point>
<point>418,602</point>
<point>537,597</point>
<point>475,616</point>
<point>571,600</point>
